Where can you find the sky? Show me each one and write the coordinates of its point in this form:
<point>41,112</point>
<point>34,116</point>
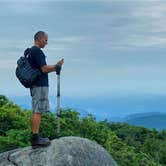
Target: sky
<point>111,48</point>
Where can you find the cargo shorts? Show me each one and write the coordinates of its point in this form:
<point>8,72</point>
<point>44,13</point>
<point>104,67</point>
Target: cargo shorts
<point>40,101</point>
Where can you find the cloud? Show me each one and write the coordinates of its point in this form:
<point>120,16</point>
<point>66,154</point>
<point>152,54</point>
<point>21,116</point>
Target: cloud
<point>66,43</point>
<point>7,64</point>
<point>142,25</point>
<point>114,24</point>
<point>138,41</point>
<point>69,39</point>
<point>11,50</point>
<point>12,43</point>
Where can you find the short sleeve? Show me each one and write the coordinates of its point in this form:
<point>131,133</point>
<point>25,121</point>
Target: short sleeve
<point>40,59</point>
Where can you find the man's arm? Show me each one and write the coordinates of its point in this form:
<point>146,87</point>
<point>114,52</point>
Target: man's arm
<point>48,68</point>
<point>51,68</point>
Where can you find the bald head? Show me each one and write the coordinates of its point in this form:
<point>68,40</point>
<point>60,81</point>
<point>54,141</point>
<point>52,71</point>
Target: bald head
<point>39,35</point>
<point>40,39</point>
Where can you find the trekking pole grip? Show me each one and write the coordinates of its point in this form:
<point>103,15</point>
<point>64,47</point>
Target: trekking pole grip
<point>58,69</point>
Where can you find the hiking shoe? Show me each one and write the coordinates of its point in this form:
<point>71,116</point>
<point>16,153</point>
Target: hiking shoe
<point>37,141</point>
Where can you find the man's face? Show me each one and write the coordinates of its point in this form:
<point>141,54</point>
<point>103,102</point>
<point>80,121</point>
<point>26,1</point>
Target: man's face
<point>43,41</point>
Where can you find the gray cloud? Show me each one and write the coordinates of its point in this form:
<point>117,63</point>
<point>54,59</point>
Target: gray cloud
<point>140,24</point>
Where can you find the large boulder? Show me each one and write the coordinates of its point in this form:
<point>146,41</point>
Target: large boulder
<point>66,151</point>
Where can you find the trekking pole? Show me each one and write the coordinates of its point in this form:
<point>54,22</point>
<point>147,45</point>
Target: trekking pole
<point>58,102</point>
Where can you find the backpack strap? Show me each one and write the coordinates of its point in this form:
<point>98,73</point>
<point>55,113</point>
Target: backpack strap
<point>26,52</point>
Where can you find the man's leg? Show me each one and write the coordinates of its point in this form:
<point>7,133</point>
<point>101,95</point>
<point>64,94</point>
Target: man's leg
<point>35,122</point>
<point>38,106</point>
<point>36,140</point>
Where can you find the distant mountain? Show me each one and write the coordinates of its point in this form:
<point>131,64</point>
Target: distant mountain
<point>105,106</point>
<point>148,120</point>
<point>146,110</point>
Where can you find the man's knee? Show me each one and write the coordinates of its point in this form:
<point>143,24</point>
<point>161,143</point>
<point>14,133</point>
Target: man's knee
<point>35,115</point>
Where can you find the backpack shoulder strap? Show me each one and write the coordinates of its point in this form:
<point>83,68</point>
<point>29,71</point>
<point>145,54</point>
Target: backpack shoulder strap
<point>26,52</point>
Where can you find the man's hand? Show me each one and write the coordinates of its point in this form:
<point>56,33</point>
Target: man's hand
<point>61,62</point>
<point>51,68</point>
<point>59,66</point>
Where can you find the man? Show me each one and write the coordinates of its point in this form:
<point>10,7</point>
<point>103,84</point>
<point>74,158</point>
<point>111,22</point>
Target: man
<point>39,91</point>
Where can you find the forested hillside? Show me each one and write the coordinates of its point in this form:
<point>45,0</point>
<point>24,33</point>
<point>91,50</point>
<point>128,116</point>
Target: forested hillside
<point>129,145</point>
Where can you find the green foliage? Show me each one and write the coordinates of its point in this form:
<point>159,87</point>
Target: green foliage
<point>3,100</point>
<point>70,124</point>
<point>48,125</point>
<point>131,135</point>
<point>14,139</point>
<point>129,145</point>
<point>12,117</point>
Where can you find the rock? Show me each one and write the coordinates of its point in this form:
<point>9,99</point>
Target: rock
<point>66,151</point>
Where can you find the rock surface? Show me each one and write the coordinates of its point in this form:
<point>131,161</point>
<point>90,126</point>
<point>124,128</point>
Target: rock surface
<point>66,151</point>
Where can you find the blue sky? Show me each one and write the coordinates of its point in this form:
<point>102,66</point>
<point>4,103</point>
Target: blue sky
<point>111,48</point>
